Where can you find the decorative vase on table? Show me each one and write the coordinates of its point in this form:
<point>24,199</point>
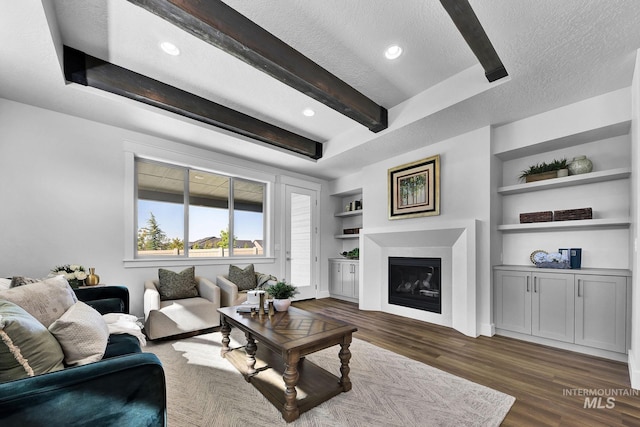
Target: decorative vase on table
<point>281,304</point>
<point>580,165</point>
<point>92,279</point>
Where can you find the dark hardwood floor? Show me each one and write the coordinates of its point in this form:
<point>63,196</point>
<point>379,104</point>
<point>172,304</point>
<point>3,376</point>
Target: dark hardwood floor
<point>539,377</point>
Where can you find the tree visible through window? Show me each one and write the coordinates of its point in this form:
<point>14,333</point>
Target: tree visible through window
<point>192,213</point>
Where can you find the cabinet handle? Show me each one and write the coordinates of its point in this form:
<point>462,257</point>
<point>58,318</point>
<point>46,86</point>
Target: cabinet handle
<point>579,289</point>
<point>339,268</point>
<point>535,284</point>
<point>527,283</point>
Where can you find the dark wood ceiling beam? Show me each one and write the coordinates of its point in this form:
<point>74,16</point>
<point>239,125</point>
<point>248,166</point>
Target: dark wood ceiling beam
<point>90,71</point>
<point>471,29</point>
<point>220,25</point>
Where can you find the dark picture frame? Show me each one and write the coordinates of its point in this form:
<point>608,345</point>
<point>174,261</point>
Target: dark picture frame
<point>414,189</point>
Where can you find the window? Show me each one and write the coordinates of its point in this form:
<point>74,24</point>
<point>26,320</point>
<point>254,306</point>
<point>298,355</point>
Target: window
<point>185,212</point>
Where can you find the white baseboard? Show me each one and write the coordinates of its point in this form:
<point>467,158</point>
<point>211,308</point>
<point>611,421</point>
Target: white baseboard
<point>487,329</point>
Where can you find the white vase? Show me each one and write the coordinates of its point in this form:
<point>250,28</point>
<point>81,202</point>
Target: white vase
<point>579,165</point>
<point>281,304</point>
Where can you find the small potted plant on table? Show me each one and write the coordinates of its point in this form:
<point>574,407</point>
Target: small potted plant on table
<point>281,293</point>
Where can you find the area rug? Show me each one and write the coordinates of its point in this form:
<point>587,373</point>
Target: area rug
<point>203,389</point>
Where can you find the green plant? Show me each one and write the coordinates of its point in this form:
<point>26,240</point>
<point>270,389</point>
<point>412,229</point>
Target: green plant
<point>282,290</point>
<point>352,254</point>
<point>544,167</point>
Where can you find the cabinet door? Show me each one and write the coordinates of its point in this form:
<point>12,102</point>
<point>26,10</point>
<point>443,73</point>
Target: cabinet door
<point>347,280</point>
<point>335,277</point>
<point>601,312</point>
<point>552,306</point>
<point>512,301</point>
<point>356,280</point>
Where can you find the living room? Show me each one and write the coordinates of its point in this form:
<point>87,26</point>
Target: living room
<point>69,178</point>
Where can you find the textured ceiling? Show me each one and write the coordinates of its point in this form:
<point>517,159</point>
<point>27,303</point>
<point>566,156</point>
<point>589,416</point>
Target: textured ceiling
<point>555,52</point>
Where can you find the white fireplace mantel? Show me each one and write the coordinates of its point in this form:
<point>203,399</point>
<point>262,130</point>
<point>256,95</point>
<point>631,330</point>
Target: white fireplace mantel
<point>455,240</point>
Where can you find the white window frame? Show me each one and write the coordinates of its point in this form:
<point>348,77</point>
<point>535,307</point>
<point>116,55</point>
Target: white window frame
<point>195,158</point>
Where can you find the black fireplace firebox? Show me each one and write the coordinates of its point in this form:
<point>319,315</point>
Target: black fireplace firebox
<point>415,283</point>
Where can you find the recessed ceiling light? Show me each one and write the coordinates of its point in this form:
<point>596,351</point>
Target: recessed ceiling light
<point>170,48</point>
<point>393,52</point>
<point>308,112</point>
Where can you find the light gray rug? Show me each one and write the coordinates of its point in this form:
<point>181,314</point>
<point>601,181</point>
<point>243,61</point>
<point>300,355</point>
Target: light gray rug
<point>204,389</point>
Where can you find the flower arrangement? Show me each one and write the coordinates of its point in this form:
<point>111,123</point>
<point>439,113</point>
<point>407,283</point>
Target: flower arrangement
<point>281,290</point>
<point>74,273</point>
<point>543,167</point>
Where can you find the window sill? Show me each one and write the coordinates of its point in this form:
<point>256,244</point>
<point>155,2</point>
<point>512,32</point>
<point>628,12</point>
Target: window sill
<point>187,262</point>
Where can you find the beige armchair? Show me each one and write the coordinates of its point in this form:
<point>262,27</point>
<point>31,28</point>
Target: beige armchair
<point>174,317</point>
<point>229,293</point>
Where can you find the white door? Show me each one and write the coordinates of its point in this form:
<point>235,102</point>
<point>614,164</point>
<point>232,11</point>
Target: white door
<point>300,241</point>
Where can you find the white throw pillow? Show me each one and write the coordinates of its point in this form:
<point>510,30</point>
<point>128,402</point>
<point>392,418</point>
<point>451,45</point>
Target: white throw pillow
<point>5,283</point>
<point>82,334</point>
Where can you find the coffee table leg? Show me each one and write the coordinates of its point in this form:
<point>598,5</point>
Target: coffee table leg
<point>290,377</point>
<point>345,356</point>
<point>226,330</point>
<point>251,356</point>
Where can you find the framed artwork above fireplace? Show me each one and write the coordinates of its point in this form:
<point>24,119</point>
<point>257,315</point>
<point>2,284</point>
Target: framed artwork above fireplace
<point>414,189</point>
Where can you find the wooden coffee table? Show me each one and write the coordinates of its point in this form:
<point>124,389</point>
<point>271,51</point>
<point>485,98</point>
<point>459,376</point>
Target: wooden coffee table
<point>276,349</point>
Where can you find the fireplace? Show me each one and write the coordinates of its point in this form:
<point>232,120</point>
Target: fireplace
<point>415,283</point>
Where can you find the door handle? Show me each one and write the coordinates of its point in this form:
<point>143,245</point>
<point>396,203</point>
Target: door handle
<point>535,284</point>
<point>528,284</point>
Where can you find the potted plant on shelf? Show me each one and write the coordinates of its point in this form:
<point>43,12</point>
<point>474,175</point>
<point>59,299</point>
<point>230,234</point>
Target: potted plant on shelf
<point>281,293</point>
<point>544,170</point>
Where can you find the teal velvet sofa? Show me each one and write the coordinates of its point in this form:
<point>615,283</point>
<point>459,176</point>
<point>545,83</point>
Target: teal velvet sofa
<point>126,388</point>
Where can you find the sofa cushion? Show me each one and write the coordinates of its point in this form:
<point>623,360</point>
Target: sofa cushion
<point>27,348</point>
<point>243,278</point>
<point>82,334</point>
<point>46,300</point>
<point>172,285</point>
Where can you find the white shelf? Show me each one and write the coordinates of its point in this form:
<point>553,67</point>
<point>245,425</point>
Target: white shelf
<point>569,181</point>
<point>349,213</point>
<point>567,225</point>
<point>347,236</point>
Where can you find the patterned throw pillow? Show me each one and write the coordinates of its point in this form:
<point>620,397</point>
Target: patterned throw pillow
<point>174,285</point>
<point>21,281</point>
<point>82,334</point>
<point>243,278</point>
<point>26,347</point>
<point>46,300</point>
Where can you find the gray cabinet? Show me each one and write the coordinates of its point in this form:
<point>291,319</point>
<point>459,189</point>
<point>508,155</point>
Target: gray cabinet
<point>539,304</point>
<point>344,278</point>
<point>584,309</point>
<point>552,306</point>
<point>601,312</point>
<point>512,301</point>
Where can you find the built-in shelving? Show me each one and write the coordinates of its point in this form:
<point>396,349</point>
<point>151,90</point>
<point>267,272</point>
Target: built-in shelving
<point>569,181</point>
<point>347,236</point>
<point>349,213</point>
<point>567,225</point>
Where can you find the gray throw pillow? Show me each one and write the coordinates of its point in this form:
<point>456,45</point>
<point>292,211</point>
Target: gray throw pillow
<point>174,285</point>
<point>243,278</point>
<point>27,348</point>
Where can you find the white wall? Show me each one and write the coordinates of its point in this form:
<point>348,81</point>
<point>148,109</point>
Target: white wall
<point>63,183</point>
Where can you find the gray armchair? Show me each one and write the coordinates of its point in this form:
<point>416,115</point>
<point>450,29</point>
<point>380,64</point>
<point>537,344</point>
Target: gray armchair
<point>176,317</point>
